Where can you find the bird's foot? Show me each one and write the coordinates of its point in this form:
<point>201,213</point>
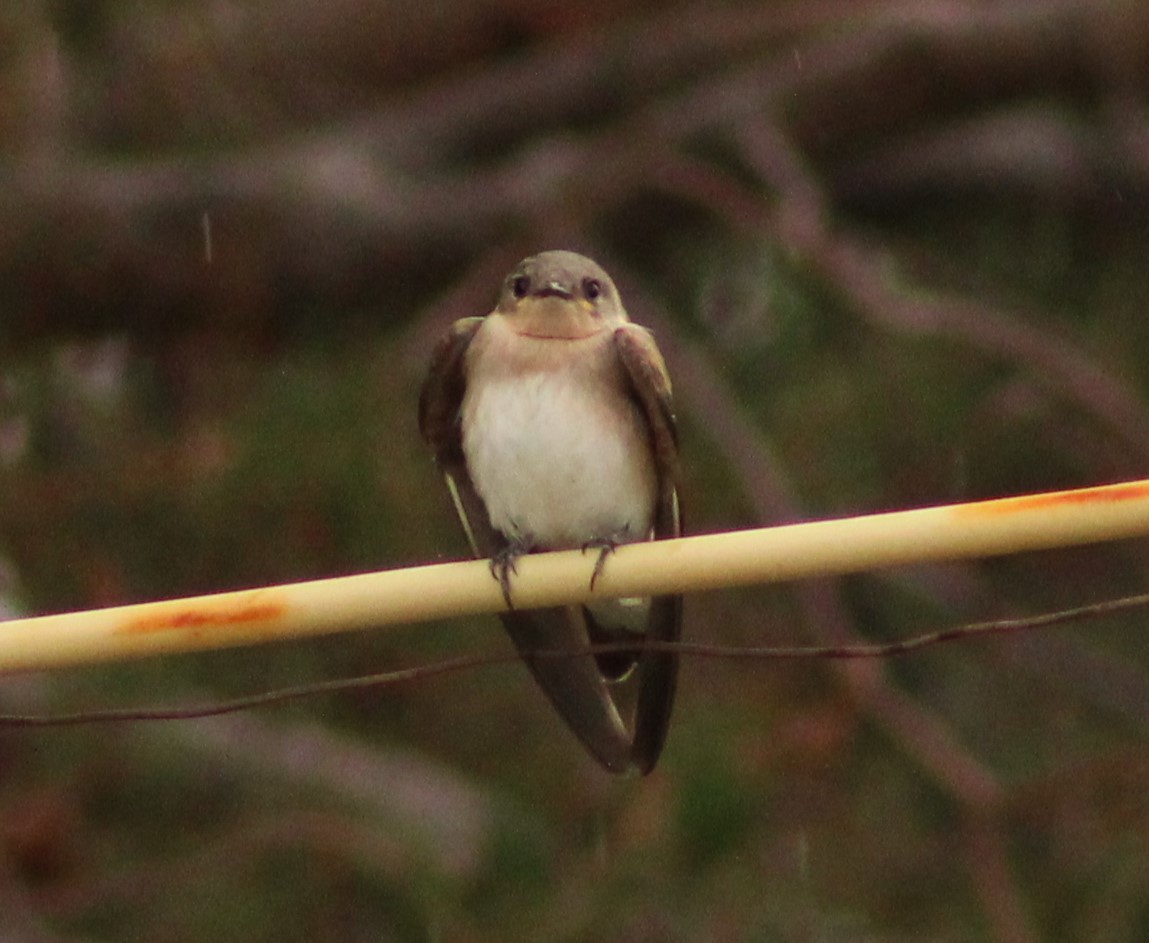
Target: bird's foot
<point>605,546</point>
<point>503,565</point>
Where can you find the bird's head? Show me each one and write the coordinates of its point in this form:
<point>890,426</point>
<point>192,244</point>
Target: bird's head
<point>560,295</point>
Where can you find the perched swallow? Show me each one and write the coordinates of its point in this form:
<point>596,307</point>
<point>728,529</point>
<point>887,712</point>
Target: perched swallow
<point>551,420</point>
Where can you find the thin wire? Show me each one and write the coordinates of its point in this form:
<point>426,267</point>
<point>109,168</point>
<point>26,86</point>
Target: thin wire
<point>693,649</point>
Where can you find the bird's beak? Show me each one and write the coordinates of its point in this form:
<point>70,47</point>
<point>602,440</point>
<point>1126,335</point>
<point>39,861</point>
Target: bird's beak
<point>556,290</point>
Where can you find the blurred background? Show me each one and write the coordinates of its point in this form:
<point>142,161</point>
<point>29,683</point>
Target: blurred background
<point>895,253</point>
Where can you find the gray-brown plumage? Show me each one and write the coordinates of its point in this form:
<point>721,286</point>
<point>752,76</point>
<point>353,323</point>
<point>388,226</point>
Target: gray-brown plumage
<point>551,421</point>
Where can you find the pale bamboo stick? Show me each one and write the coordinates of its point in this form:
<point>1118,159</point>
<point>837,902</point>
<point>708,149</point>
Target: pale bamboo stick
<point>689,564</point>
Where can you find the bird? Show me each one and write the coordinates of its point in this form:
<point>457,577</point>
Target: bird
<point>552,424</point>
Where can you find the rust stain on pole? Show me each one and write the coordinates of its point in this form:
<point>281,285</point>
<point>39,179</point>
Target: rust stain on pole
<point>194,619</point>
<point>1105,494</point>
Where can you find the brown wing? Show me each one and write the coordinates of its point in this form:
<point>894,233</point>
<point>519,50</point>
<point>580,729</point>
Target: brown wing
<point>573,685</point>
<point>649,385</point>
<point>439,404</point>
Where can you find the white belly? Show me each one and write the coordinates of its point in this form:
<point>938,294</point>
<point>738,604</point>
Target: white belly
<point>558,459</point>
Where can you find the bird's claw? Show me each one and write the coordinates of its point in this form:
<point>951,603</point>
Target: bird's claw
<point>502,566</point>
<point>605,547</point>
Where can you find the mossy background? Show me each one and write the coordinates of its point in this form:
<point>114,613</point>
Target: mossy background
<point>895,255</point>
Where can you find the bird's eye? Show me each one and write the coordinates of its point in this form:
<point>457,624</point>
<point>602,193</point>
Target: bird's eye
<point>520,286</point>
<point>591,288</point>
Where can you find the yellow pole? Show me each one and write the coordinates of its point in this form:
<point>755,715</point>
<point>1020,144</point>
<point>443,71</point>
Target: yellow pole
<point>689,564</point>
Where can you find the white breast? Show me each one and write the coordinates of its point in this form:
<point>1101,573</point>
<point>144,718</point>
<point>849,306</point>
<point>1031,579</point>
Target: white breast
<point>558,455</point>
